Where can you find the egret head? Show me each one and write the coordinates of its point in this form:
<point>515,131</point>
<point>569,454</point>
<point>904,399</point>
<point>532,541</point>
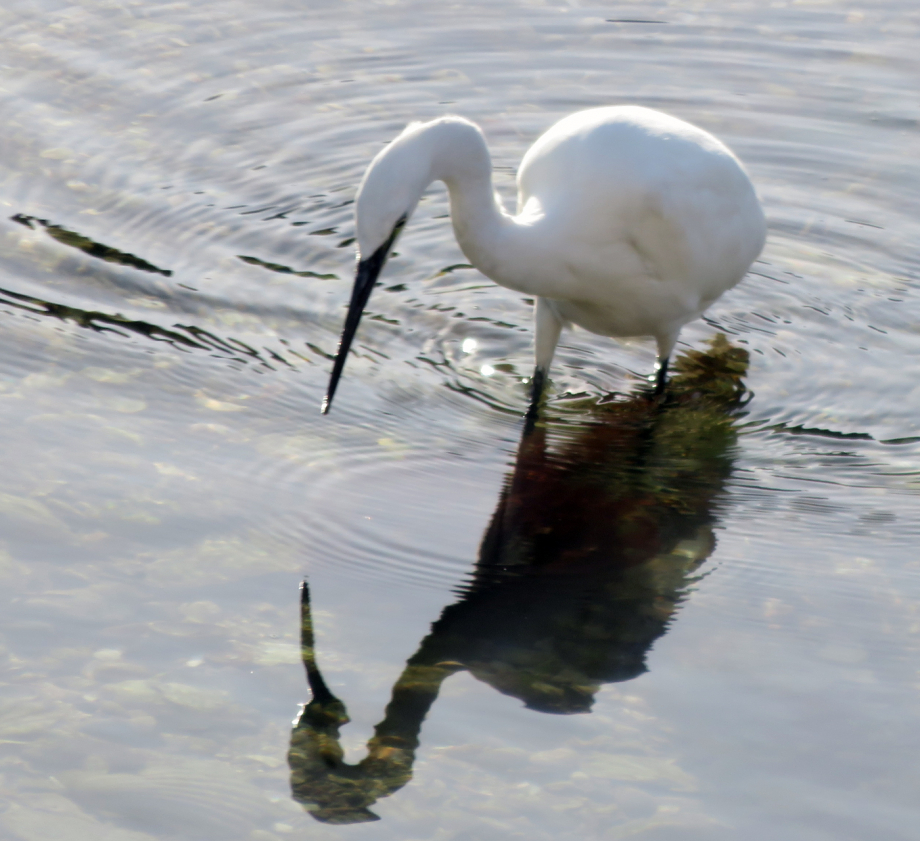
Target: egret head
<point>387,197</point>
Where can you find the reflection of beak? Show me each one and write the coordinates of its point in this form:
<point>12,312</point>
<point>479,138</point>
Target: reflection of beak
<point>365,278</point>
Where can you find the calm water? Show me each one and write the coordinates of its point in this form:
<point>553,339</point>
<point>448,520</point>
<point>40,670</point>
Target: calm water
<point>723,597</point>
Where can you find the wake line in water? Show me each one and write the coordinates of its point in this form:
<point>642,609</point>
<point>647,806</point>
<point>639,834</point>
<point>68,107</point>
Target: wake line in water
<point>180,336</point>
<point>89,246</point>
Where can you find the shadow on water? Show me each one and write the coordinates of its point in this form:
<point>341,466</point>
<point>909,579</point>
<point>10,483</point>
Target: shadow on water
<point>596,540</point>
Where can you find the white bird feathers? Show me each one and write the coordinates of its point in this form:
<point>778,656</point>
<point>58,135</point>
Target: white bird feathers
<point>630,222</point>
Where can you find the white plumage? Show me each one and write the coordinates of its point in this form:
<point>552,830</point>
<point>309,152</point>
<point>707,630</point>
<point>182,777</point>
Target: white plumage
<point>630,222</point>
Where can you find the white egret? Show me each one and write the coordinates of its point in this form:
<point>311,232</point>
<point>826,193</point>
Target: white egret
<point>630,222</point>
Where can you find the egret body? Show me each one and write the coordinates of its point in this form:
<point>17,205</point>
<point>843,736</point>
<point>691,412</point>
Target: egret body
<point>629,222</point>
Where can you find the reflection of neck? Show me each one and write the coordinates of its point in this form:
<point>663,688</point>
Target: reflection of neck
<point>413,694</point>
<point>329,788</point>
<point>334,791</point>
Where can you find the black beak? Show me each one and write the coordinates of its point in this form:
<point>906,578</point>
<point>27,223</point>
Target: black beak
<point>365,278</point>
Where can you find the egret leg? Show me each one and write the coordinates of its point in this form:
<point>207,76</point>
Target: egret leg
<point>661,376</point>
<point>547,327</point>
<point>536,395</point>
<point>666,342</point>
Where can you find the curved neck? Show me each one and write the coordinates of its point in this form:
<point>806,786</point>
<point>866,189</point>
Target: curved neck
<point>452,150</point>
<point>481,225</point>
<point>485,232</point>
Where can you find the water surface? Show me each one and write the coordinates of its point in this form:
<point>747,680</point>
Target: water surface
<point>177,181</point>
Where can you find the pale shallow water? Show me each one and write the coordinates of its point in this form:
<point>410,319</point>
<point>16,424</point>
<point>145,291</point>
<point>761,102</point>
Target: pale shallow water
<point>168,480</point>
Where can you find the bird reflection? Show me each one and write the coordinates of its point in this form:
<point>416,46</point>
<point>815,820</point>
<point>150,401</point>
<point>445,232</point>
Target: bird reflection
<point>596,539</point>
